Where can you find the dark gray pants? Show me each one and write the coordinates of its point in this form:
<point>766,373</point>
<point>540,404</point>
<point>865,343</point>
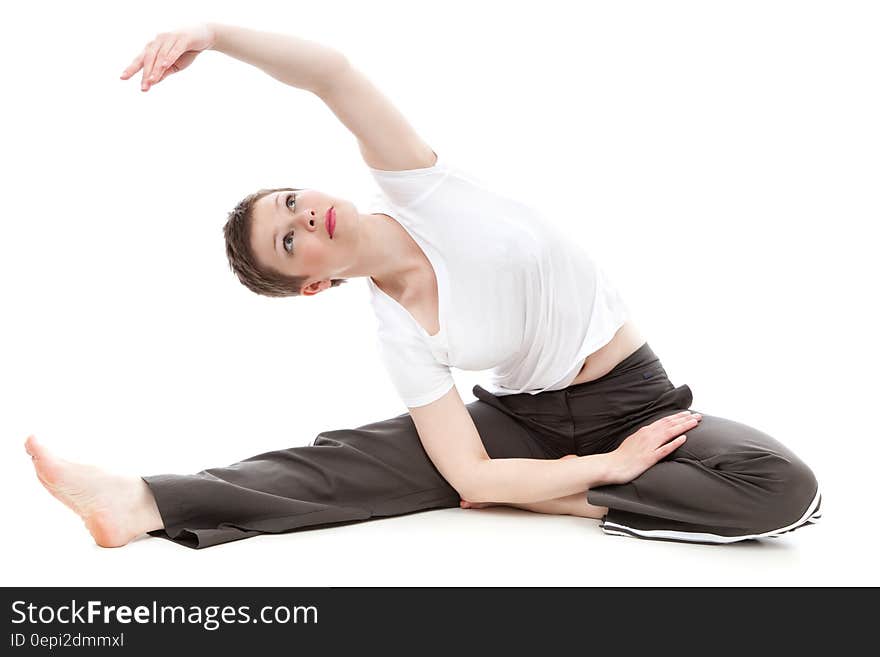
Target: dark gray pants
<point>728,482</point>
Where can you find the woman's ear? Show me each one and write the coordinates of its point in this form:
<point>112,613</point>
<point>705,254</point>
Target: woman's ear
<point>314,288</point>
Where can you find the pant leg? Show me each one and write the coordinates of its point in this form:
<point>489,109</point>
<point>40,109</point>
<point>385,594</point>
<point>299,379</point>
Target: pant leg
<point>728,482</point>
<point>346,475</point>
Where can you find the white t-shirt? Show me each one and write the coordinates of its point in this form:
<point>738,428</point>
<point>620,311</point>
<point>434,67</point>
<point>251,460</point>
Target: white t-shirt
<point>516,296</point>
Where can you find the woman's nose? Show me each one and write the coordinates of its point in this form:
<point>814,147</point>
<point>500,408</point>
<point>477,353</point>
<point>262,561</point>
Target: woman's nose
<point>311,220</point>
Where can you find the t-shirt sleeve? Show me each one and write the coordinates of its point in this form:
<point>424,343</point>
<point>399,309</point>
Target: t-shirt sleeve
<point>418,377</point>
<point>406,188</point>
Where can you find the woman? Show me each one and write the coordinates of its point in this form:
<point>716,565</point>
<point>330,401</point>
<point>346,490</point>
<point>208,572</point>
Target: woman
<point>581,418</point>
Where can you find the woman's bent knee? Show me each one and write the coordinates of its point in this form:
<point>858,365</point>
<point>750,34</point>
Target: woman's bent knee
<point>795,497</point>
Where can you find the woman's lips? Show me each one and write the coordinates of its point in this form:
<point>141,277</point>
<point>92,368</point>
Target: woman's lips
<point>330,221</point>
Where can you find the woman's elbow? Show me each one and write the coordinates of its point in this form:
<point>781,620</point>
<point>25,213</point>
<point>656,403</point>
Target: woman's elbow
<point>473,494</point>
<point>473,486</point>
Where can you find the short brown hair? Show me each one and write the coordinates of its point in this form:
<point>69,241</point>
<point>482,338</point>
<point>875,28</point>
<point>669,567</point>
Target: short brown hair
<point>262,280</point>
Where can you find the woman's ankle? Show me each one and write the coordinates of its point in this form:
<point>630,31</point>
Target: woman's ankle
<point>146,509</point>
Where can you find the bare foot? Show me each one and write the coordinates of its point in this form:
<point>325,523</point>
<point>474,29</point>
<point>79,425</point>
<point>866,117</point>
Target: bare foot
<point>114,508</point>
<point>464,504</point>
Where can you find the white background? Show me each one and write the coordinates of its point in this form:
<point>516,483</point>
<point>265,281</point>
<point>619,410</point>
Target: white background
<point>719,160</point>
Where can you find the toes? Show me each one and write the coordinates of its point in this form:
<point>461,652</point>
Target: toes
<point>34,448</point>
<point>30,446</point>
<point>46,465</point>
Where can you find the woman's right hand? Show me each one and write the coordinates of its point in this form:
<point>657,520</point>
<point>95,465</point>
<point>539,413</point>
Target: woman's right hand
<point>170,52</point>
<point>649,445</point>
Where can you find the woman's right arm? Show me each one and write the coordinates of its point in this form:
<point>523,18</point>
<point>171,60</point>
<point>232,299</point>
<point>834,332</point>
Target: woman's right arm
<point>298,62</point>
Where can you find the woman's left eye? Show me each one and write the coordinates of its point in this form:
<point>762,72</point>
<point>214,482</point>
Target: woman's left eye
<point>289,198</point>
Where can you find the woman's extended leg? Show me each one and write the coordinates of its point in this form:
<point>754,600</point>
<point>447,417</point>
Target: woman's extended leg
<point>379,469</point>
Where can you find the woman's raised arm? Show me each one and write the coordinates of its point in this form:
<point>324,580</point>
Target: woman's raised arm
<point>298,62</point>
<point>386,139</point>
<point>292,60</point>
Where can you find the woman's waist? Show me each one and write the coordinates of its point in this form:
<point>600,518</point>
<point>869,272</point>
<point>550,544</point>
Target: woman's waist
<point>625,342</point>
<point>509,380</point>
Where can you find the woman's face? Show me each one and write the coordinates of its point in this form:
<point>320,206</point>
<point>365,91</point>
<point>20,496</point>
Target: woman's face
<point>290,233</point>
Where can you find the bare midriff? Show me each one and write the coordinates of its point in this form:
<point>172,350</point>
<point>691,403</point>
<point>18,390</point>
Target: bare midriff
<point>624,343</point>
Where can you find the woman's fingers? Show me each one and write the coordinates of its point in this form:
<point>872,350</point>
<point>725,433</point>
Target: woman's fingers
<point>683,423</point>
<point>672,445</point>
<point>673,425</point>
<point>133,68</point>
<point>163,61</point>
<point>666,424</point>
<point>678,418</point>
<point>149,63</point>
<point>164,57</point>
<point>671,419</point>
<point>684,419</point>
<point>170,52</point>
<point>164,74</point>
